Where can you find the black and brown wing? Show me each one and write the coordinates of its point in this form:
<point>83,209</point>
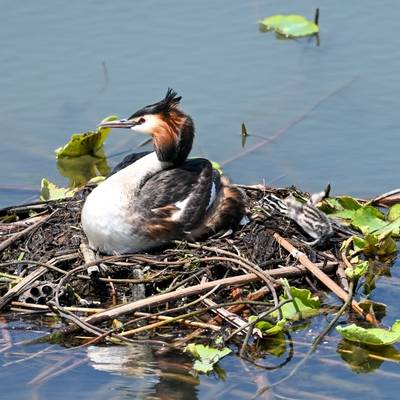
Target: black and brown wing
<point>190,200</point>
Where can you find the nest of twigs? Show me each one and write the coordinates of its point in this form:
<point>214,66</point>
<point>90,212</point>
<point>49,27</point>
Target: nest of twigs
<point>169,295</point>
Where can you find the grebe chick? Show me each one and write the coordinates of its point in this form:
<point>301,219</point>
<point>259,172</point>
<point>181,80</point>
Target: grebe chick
<point>313,221</point>
<point>159,196</point>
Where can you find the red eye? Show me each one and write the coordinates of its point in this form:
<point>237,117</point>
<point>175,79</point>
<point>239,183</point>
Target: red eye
<point>141,121</point>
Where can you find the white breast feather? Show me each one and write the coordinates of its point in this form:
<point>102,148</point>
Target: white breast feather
<point>105,215</point>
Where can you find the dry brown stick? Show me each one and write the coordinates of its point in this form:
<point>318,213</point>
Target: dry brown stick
<point>164,298</point>
<point>230,317</point>
<point>230,254</point>
<point>12,226</point>
<point>259,187</point>
<point>246,264</point>
<point>341,275</point>
<point>47,266</point>
<point>178,318</point>
<point>191,291</point>
<point>185,322</point>
<point>44,307</point>
<point>325,279</point>
<point>258,294</point>
<point>386,197</point>
<point>19,235</point>
<point>175,309</point>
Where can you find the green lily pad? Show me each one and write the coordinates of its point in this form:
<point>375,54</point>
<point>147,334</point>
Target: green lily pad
<point>50,191</point>
<point>206,356</point>
<point>304,305</point>
<point>371,336</point>
<point>348,203</point>
<point>88,143</point>
<point>368,220</point>
<point>371,245</point>
<point>290,25</point>
<point>341,207</point>
<point>358,270</point>
<point>266,328</point>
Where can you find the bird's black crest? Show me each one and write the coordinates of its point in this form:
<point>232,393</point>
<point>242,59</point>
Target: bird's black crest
<point>169,102</point>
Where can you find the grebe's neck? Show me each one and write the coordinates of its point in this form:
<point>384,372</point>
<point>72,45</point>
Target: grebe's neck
<point>173,137</point>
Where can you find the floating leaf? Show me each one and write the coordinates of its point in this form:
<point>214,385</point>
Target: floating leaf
<point>266,328</point>
<point>206,356</point>
<point>371,246</point>
<point>368,220</point>
<point>382,245</point>
<point>348,203</point>
<point>358,270</point>
<point>371,336</point>
<point>88,143</point>
<point>304,305</point>
<point>50,191</point>
<point>290,25</point>
<point>341,207</point>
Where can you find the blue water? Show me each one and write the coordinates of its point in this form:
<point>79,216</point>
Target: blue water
<point>67,65</point>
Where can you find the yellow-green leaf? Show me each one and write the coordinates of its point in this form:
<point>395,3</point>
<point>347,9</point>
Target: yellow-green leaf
<point>371,336</point>
<point>50,191</point>
<point>80,170</point>
<point>290,25</point>
<point>358,270</point>
<point>205,356</point>
<point>87,143</point>
<point>267,328</point>
<point>304,305</point>
<point>394,213</point>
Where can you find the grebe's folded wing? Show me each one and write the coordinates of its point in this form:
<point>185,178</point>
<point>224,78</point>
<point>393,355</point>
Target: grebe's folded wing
<point>183,193</point>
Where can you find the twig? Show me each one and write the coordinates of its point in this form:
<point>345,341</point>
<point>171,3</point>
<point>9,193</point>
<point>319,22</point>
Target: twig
<point>341,275</point>
<point>29,229</point>
<point>47,265</point>
<point>164,298</point>
<point>185,322</point>
<point>44,307</point>
<point>328,282</point>
<point>232,318</point>
<point>246,264</point>
<point>258,294</point>
<point>344,307</point>
<point>259,317</point>
<point>385,196</point>
<point>179,318</point>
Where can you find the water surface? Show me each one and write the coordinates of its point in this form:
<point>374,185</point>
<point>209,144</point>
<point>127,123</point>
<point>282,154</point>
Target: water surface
<point>67,65</point>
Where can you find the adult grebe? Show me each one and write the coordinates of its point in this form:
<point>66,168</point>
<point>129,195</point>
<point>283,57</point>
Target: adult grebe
<point>159,196</point>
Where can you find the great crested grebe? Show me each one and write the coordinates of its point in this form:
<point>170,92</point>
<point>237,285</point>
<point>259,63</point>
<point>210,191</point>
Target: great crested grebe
<point>155,197</point>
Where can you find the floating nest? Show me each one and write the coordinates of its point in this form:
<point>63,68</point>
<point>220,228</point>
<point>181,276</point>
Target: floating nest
<point>165,296</point>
